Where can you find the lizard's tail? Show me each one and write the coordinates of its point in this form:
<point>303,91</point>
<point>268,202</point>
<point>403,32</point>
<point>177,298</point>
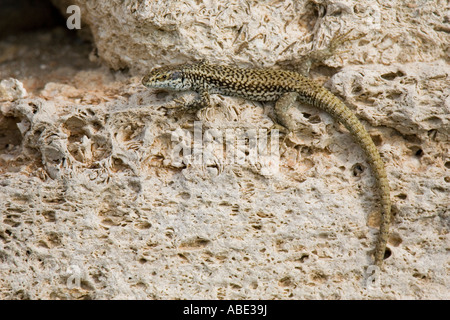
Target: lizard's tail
<point>325,100</point>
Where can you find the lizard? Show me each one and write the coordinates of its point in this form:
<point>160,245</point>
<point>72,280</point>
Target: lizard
<point>285,88</point>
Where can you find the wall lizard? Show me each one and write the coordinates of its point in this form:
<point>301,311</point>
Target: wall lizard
<point>284,87</point>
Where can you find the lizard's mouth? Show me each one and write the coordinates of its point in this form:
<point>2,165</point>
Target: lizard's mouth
<point>145,80</point>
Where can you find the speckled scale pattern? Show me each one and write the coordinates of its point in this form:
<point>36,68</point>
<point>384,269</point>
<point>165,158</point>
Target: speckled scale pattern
<point>254,84</point>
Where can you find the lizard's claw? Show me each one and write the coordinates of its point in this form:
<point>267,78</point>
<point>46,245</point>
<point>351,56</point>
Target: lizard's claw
<point>339,39</point>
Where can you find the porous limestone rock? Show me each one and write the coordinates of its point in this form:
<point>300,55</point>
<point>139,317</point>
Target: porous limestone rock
<point>96,203</point>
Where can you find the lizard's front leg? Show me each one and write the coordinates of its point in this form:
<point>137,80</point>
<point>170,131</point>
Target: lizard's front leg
<point>202,101</point>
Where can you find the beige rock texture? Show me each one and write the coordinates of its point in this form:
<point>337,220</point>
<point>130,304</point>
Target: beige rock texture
<point>94,203</point>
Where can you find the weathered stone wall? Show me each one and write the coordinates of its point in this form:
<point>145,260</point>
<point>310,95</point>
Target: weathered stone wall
<point>89,189</point>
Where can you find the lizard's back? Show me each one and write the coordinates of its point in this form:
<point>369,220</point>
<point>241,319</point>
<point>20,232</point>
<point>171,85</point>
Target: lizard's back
<point>252,83</point>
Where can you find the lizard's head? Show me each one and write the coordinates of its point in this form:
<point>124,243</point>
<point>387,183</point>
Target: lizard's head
<point>169,77</point>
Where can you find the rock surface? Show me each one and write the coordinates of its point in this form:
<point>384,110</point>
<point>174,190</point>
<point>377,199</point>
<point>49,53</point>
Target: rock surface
<point>94,203</point>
